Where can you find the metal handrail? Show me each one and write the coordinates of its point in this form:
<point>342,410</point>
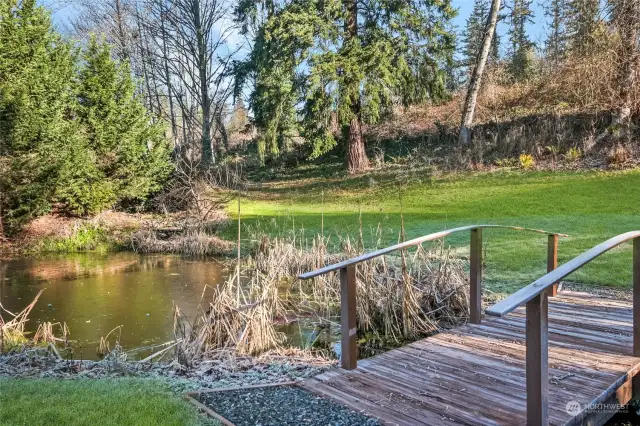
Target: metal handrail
<point>527,293</point>
<point>349,358</point>
<point>411,243</point>
<point>537,322</point>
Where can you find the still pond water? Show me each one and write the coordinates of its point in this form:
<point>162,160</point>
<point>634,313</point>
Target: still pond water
<point>95,293</point>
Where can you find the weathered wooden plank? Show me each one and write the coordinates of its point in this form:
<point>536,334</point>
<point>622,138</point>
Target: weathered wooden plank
<point>481,369</point>
<point>475,374</point>
<point>353,400</point>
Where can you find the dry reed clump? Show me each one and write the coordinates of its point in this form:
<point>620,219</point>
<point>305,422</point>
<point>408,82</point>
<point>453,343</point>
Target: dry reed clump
<point>400,298</point>
<point>12,332</point>
<point>14,337</point>
<point>191,243</point>
<point>239,320</point>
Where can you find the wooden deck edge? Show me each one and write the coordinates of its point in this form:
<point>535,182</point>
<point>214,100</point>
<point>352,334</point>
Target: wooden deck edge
<point>620,392</point>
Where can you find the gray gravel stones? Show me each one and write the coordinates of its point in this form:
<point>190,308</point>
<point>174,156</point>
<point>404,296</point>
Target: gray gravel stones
<point>281,406</point>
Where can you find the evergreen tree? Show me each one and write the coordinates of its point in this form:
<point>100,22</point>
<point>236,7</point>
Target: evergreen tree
<point>131,151</point>
<point>556,43</point>
<point>270,71</point>
<point>358,57</point>
<point>521,51</point>
<point>583,21</point>
<point>79,142</point>
<point>473,34</point>
<point>36,104</point>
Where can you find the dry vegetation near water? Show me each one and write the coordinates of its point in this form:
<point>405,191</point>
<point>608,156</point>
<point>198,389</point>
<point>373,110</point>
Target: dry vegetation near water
<point>189,242</point>
<point>400,298</point>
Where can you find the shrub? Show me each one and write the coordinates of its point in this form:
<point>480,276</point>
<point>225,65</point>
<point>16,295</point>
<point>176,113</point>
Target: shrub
<point>573,155</point>
<point>619,154</point>
<point>506,162</point>
<point>527,162</point>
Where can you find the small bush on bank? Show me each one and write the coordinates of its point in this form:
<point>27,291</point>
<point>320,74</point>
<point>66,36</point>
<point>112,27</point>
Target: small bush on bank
<point>573,155</point>
<point>87,237</point>
<point>527,162</point>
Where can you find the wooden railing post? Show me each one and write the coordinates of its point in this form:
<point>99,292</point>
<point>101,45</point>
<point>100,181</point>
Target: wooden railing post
<point>537,360</point>
<point>552,261</point>
<point>475,277</point>
<point>349,349</point>
<point>636,296</point>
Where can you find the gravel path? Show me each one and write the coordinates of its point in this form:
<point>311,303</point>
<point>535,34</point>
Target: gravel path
<point>282,406</point>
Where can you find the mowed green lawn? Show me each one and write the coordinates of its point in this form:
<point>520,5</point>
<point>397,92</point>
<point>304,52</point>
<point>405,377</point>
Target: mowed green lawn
<point>93,402</point>
<point>589,206</point>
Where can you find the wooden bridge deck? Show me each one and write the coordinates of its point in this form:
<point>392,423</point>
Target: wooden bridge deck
<point>475,374</point>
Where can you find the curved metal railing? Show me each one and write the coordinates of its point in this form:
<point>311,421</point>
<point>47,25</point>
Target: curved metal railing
<point>414,242</point>
<point>537,321</point>
<point>348,279</point>
<point>527,293</point>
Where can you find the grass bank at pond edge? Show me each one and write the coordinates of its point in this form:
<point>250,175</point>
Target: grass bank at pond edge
<point>97,402</point>
<point>589,206</point>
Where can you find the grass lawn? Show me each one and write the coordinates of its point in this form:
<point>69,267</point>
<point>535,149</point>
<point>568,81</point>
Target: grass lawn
<point>589,206</point>
<point>93,402</point>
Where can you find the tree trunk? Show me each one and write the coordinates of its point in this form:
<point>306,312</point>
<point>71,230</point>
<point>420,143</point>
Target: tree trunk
<point>143,60</point>
<point>205,103</point>
<point>357,160</point>
<point>122,34</point>
<point>627,19</point>
<point>476,77</point>
<point>167,77</point>
<point>1,223</point>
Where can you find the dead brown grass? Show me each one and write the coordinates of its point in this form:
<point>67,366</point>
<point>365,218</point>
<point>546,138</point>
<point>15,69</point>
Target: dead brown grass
<point>400,298</point>
<point>192,243</point>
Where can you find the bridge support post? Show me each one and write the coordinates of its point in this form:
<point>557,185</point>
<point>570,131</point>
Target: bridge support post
<point>537,374</point>
<point>552,261</point>
<point>636,296</point>
<point>349,348</point>
<point>475,277</point>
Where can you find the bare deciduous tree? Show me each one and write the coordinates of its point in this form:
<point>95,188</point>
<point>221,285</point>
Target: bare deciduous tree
<point>626,21</point>
<point>476,77</point>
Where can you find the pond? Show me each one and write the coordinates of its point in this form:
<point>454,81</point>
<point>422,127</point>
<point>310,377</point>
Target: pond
<point>94,293</point>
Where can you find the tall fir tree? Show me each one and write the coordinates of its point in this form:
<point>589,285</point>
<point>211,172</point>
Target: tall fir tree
<point>556,42</point>
<point>77,141</point>
<point>522,49</point>
<point>37,130</point>
<point>131,151</point>
<point>358,57</point>
<point>270,72</point>
<point>583,21</point>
